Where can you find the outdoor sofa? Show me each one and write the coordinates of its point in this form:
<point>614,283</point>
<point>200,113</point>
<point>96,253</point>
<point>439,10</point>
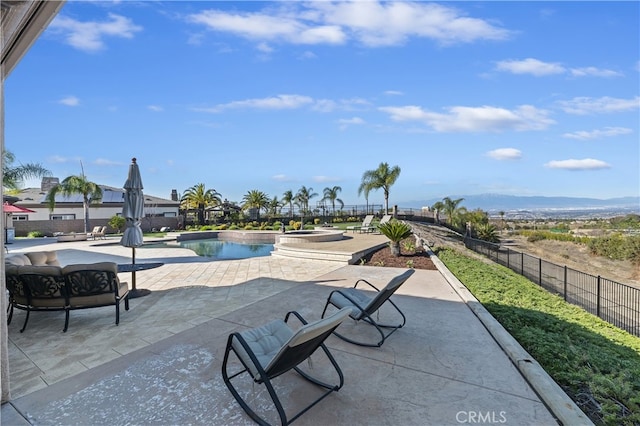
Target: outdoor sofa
<point>37,282</point>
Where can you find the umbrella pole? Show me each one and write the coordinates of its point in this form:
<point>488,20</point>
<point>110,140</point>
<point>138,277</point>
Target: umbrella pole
<point>133,272</point>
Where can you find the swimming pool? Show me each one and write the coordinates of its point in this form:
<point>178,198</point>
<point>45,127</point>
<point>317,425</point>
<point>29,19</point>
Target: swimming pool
<point>226,250</point>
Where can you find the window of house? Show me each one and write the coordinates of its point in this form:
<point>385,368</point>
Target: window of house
<point>17,217</point>
<point>62,216</point>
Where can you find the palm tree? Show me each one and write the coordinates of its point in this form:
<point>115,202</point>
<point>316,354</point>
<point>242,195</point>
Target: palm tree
<point>255,199</point>
<point>450,207</point>
<point>199,197</point>
<point>302,197</point>
<point>381,178</point>
<point>274,206</point>
<point>331,194</point>
<point>288,198</point>
<point>12,177</point>
<point>76,184</point>
<point>437,208</point>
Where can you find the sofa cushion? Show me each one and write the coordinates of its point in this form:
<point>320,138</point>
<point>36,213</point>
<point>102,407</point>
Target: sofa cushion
<point>43,258</point>
<point>100,266</point>
<point>17,259</point>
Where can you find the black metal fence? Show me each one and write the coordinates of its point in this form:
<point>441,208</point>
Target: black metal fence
<point>614,302</point>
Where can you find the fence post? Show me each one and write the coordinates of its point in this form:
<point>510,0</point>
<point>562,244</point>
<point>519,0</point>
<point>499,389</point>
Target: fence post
<point>508,257</point>
<point>540,271</point>
<point>565,283</point>
<point>521,263</point>
<point>598,298</point>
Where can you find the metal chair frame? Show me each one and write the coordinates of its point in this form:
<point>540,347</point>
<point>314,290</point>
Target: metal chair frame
<point>288,359</point>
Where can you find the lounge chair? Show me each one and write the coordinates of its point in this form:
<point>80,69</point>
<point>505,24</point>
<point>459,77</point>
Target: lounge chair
<point>363,307</point>
<point>386,218</point>
<point>98,232</point>
<point>271,350</point>
<point>366,223</point>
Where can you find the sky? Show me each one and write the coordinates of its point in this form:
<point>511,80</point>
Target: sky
<point>516,98</point>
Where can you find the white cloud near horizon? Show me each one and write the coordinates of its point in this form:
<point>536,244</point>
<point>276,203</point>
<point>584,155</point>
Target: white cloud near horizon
<point>505,154</point>
<point>573,165</point>
<point>598,133</point>
<point>89,36</point>
<point>540,68</point>
<point>155,108</point>
<point>474,119</point>
<point>586,105</point>
<point>69,101</point>
<point>371,23</point>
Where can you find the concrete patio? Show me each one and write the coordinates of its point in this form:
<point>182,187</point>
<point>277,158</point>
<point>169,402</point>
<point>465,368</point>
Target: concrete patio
<point>161,365</point>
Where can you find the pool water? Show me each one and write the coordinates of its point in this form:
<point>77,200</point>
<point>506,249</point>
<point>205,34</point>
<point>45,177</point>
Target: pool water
<point>220,249</point>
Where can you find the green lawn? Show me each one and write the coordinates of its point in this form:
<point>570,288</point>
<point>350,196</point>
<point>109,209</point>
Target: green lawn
<point>597,364</point>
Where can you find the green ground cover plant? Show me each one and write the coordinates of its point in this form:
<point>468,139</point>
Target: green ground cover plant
<point>597,364</point>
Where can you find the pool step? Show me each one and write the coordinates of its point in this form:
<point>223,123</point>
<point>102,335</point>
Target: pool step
<point>299,251</point>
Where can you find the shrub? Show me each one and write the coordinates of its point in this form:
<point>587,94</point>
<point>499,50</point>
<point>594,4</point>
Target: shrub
<point>117,223</point>
<point>316,221</point>
<point>222,227</point>
<point>395,231</point>
<point>248,227</point>
<point>35,234</point>
<point>487,232</point>
<point>233,227</point>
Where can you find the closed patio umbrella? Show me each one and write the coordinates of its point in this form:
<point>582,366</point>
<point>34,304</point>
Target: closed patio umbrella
<point>133,212</point>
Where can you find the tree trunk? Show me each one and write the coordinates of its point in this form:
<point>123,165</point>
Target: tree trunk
<point>395,248</point>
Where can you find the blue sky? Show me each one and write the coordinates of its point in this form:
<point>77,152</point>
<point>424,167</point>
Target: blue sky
<point>519,98</point>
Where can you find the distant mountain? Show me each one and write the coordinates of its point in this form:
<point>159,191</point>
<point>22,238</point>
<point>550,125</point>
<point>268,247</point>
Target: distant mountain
<point>496,202</point>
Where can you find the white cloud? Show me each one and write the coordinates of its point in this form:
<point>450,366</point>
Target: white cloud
<point>475,119</point>
<point>594,72</point>
<point>505,154</point>
<point>598,133</point>
<point>325,179</point>
<point>371,23</point>
<point>352,120</point>
<point>586,105</point>
<point>281,178</point>
<point>155,108</point>
<point>530,66</point>
<point>307,54</point>
<point>69,101</point>
<point>275,103</point>
<point>346,122</point>
<point>584,164</point>
<point>257,26</point>
<point>105,162</point>
<point>89,36</point>
<point>393,93</point>
<point>59,159</point>
<point>264,48</point>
